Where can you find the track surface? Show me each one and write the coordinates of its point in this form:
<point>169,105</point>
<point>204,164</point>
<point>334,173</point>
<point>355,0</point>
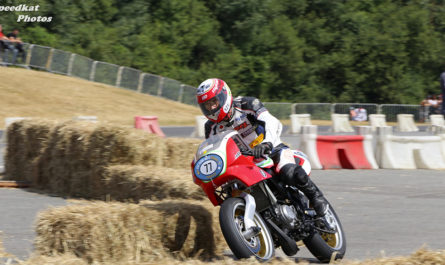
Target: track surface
<point>390,211</point>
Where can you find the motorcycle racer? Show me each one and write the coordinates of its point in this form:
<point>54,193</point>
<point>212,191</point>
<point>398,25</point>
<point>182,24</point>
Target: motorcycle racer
<point>259,129</point>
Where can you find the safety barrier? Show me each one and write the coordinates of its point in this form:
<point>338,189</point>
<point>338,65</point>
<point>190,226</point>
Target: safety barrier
<point>409,152</point>
<point>86,118</point>
<point>377,120</point>
<point>149,124</point>
<point>405,123</point>
<point>340,123</point>
<point>199,127</point>
<point>338,151</point>
<point>298,120</point>
<point>4,138</point>
<point>437,120</point>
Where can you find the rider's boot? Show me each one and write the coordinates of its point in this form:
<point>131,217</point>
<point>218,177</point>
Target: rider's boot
<point>295,175</point>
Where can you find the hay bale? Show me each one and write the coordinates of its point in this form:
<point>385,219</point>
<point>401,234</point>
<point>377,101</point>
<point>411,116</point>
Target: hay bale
<point>74,160</point>
<point>123,182</point>
<point>67,259</point>
<point>114,232</point>
<point>63,158</point>
<point>180,152</point>
<point>26,140</point>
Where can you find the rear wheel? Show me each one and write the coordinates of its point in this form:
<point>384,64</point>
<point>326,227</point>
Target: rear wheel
<point>231,218</point>
<point>325,246</point>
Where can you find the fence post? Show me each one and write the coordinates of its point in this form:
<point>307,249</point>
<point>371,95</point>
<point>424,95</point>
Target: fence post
<point>379,109</point>
<point>49,60</point>
<point>119,76</point>
<point>140,82</point>
<point>93,71</point>
<point>181,92</point>
<point>70,64</point>
<point>28,56</point>
<point>293,106</point>
<point>333,108</point>
<point>161,86</point>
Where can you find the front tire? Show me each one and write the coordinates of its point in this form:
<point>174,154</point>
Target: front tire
<point>231,217</point>
<point>325,245</point>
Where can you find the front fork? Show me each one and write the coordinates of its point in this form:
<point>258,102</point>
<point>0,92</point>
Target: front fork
<point>251,229</point>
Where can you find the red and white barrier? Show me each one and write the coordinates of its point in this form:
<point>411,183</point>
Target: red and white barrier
<point>338,151</point>
<point>409,152</point>
<point>149,124</point>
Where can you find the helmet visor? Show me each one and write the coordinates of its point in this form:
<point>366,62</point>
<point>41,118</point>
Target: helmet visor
<point>211,108</point>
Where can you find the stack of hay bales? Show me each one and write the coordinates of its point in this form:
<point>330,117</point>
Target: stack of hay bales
<point>26,139</point>
<point>118,232</point>
<point>99,161</point>
<point>77,158</point>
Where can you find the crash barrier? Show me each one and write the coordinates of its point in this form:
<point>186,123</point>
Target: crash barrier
<point>149,124</point>
<point>86,118</point>
<point>340,123</point>
<point>298,120</point>
<point>199,130</point>
<point>409,152</point>
<point>338,151</point>
<point>437,129</point>
<point>405,123</point>
<point>377,120</point>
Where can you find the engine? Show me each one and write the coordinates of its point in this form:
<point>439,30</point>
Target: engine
<point>286,216</point>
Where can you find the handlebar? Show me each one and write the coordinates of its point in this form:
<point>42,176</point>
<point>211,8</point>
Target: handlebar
<point>250,153</point>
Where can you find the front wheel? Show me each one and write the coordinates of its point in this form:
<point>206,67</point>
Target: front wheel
<point>231,219</point>
<point>325,246</point>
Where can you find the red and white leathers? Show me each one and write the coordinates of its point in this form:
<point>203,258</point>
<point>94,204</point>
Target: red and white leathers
<point>255,125</point>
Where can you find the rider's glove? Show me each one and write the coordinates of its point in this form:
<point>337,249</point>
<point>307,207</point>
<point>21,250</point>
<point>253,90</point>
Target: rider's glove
<point>262,149</point>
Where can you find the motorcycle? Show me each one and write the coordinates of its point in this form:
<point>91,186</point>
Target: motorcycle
<point>259,213</point>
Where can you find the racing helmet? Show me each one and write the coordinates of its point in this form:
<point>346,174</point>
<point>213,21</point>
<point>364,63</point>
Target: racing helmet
<point>215,99</point>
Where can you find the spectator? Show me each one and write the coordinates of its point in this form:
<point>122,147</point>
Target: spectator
<point>13,38</point>
<point>6,46</point>
<point>442,87</point>
<point>433,103</point>
<point>358,114</point>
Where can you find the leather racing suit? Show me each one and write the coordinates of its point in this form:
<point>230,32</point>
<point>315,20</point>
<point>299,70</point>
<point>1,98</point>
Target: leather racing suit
<point>257,126</point>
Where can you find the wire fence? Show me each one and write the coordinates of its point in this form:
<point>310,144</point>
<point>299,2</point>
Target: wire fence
<point>71,64</point>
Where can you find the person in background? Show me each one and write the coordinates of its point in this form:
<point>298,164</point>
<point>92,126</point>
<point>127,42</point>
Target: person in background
<point>358,114</point>
<point>17,42</point>
<point>7,46</point>
<point>442,87</point>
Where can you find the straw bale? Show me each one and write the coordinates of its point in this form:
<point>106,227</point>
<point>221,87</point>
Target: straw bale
<point>180,152</point>
<point>62,164</point>
<point>66,259</point>
<point>190,216</point>
<point>26,139</point>
<point>113,232</point>
<point>136,182</point>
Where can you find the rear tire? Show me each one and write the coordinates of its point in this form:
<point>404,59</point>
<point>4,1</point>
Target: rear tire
<point>324,245</point>
<point>232,225</point>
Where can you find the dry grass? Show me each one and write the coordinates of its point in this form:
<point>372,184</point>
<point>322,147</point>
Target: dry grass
<point>28,93</point>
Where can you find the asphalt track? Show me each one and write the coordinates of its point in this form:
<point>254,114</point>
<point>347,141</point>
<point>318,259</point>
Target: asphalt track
<point>383,212</point>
